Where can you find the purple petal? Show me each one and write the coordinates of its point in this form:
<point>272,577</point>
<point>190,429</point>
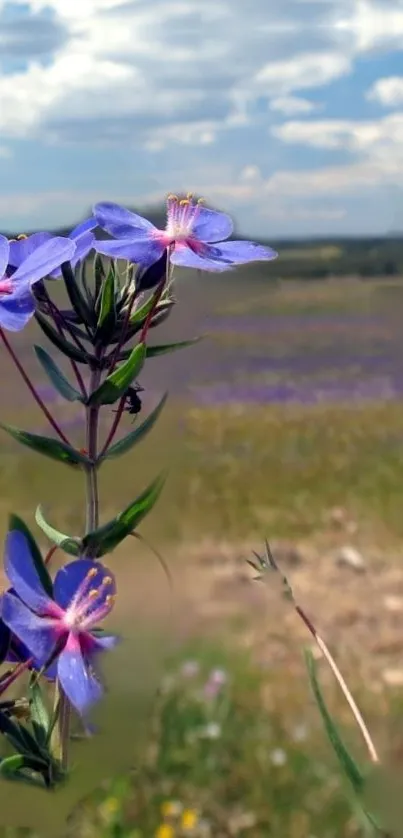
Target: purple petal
<point>15,312</point>
<point>22,248</point>
<point>120,222</point>
<point>84,243</point>
<point>48,256</point>
<point>77,678</point>
<point>104,643</point>
<point>21,572</point>
<point>72,576</point>
<point>212,226</point>
<point>84,227</point>
<point>4,255</point>
<point>37,633</point>
<point>140,251</point>
<point>239,252</point>
<point>184,257</point>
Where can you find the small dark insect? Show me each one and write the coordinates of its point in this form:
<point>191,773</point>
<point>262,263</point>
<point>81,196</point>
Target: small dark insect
<point>133,403</point>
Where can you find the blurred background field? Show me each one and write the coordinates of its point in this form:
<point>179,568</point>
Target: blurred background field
<point>285,422</point>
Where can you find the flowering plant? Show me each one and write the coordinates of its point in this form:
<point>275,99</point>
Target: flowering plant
<point>51,627</point>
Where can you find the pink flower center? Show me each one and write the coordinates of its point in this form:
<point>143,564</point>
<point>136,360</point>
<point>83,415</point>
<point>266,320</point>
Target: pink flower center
<point>181,216</point>
<point>89,604</point>
<point>6,285</point>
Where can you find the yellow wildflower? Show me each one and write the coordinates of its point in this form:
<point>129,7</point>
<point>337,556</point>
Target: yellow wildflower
<point>171,808</point>
<point>189,819</point>
<point>165,830</point>
<point>109,808</point>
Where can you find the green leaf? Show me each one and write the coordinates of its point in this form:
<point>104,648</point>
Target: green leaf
<point>56,377</point>
<point>347,762</point>
<point>53,448</point>
<point>12,768</point>
<point>72,546</point>
<point>16,523</point>
<point>10,765</point>
<point>107,314</point>
<point>140,314</point>
<point>116,384</point>
<point>164,348</point>
<point>39,715</point>
<point>106,538</point>
<point>77,299</point>
<point>138,434</point>
<point>67,348</point>
<point>13,733</point>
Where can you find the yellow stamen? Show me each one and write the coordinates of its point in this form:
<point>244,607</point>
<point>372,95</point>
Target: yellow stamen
<point>21,236</point>
<point>172,197</point>
<point>110,599</point>
<point>93,594</point>
<point>91,573</point>
<point>107,581</point>
<point>201,201</point>
<point>184,202</point>
<point>189,196</point>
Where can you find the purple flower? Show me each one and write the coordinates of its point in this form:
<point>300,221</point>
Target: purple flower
<point>193,233</point>
<point>16,652</point>
<point>215,683</point>
<point>82,236</point>
<point>16,301</point>
<point>84,593</point>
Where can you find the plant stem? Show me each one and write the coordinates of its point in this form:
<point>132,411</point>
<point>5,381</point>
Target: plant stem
<point>32,390</point>
<point>92,499</point>
<point>342,684</point>
<point>61,734</point>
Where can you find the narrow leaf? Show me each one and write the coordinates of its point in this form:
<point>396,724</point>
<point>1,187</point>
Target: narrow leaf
<point>76,298</point>
<point>164,348</point>
<point>39,714</point>
<point>10,765</point>
<point>53,448</point>
<point>12,732</point>
<point>140,314</point>
<point>107,314</point>
<point>106,538</point>
<point>116,384</point>
<point>138,434</point>
<point>16,523</point>
<point>348,764</point>
<point>65,542</point>
<point>67,348</point>
<point>56,377</point>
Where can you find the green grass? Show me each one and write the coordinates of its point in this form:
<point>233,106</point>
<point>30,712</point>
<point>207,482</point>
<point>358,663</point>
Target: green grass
<point>234,765</point>
<point>236,472</point>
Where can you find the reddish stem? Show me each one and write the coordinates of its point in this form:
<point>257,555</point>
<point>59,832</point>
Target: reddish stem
<point>50,553</point>
<point>15,674</point>
<point>340,680</point>
<point>32,390</point>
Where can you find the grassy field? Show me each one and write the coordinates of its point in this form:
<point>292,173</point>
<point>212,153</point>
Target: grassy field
<point>289,409</point>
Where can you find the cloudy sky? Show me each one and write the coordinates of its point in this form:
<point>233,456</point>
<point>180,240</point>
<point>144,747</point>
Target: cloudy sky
<point>287,113</point>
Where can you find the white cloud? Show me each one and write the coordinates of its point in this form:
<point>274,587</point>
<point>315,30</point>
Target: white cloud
<point>379,140</point>
<point>372,24</point>
<point>176,75</point>
<point>302,71</point>
<point>387,92</point>
<point>292,105</point>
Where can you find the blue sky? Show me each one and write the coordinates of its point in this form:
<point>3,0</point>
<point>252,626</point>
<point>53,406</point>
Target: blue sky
<point>286,113</point>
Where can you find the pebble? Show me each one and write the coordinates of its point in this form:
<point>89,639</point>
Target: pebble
<point>349,556</point>
<point>393,603</point>
<point>393,677</point>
